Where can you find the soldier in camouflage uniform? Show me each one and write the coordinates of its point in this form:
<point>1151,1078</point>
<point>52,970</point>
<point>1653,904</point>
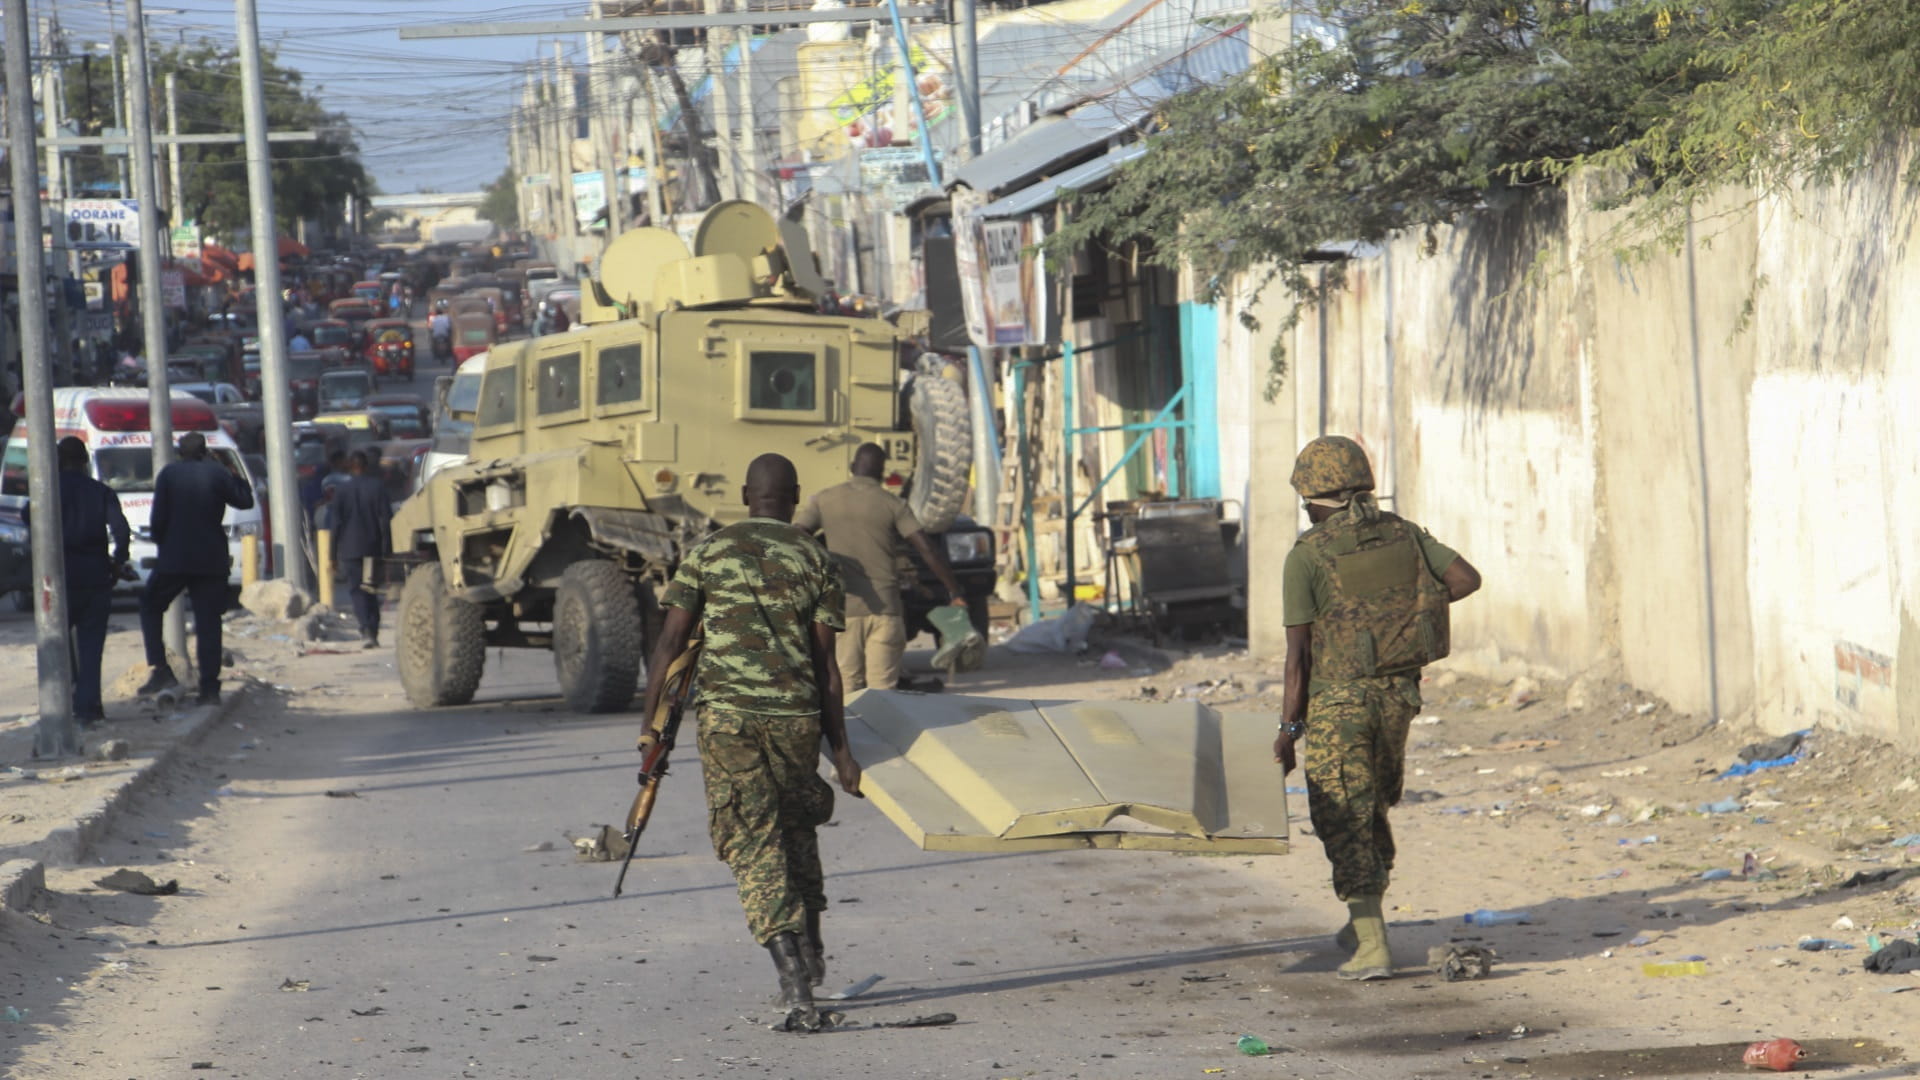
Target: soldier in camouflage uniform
<point>1366,597</point>
<point>769,601</point>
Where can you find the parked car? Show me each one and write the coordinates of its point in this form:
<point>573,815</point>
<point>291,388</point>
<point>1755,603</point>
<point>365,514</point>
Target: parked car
<point>345,390</point>
<point>408,413</point>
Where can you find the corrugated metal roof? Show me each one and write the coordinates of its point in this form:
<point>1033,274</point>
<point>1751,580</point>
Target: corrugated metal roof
<point>1060,139</point>
<point>1085,175</point>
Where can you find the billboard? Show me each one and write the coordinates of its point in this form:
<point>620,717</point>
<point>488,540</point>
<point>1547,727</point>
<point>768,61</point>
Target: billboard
<point>103,224</point>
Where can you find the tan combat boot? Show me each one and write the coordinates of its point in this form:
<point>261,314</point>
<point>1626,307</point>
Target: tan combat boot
<point>1371,959</point>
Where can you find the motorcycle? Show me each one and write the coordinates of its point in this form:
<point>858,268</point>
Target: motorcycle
<point>442,346</point>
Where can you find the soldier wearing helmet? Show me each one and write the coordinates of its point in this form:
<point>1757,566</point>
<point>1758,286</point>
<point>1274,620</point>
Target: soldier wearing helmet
<point>1366,597</point>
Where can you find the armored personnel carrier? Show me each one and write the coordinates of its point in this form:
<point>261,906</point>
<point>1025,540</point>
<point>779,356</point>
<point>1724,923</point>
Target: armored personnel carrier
<point>598,456</point>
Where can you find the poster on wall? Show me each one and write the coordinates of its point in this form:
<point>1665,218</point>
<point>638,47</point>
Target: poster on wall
<point>589,197</point>
<point>1003,280</point>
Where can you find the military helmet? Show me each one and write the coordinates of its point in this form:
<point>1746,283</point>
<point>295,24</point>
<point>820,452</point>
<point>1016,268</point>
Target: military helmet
<point>1330,465</point>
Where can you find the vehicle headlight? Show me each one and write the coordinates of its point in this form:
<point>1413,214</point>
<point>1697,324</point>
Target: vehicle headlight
<point>969,547</point>
<point>15,534</point>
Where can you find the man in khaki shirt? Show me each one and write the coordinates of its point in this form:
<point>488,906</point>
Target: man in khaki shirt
<point>861,520</point>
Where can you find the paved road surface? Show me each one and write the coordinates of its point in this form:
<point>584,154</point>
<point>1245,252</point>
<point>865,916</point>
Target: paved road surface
<point>416,900</point>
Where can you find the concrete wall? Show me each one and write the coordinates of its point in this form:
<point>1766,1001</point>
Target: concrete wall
<point>1705,464</point>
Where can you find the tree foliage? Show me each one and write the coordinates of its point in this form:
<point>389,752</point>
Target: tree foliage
<point>310,179</point>
<point>502,205</point>
<point>1389,117</point>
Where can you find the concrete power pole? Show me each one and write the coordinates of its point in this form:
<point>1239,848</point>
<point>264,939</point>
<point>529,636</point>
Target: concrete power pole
<point>55,735</point>
<point>600,126</point>
<point>719,95</point>
<point>289,558</point>
<point>179,201</point>
<point>749,136</point>
<point>966,47</point>
<point>153,312</point>
<point>53,91</point>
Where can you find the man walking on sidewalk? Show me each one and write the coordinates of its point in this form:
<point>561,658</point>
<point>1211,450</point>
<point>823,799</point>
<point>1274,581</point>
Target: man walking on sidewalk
<point>190,500</point>
<point>89,517</point>
<point>768,601</point>
<point>362,539</point>
<point>1366,596</point>
<point>862,520</point>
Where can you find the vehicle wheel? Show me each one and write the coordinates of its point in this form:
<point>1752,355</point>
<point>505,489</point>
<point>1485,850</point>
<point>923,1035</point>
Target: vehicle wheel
<point>943,428</point>
<point>599,638</point>
<point>441,642</point>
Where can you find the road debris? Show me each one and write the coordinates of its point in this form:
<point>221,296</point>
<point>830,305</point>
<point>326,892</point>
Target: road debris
<point>857,989</point>
<point>331,794</point>
<point>1897,957</point>
<point>296,986</point>
<point>1780,1055</point>
<point>1456,963</point>
<point>133,881</point>
<point>930,1020</point>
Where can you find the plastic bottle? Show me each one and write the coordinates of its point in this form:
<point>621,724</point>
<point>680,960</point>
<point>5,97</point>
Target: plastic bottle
<point>1489,917</point>
<point>1253,1046</point>
<point>1674,968</point>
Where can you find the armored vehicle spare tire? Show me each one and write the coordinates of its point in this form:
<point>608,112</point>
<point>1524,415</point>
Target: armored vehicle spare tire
<point>943,429</point>
<point>598,636</point>
<point>441,642</point>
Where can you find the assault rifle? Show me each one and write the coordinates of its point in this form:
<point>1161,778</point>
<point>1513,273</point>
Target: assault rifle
<point>653,767</point>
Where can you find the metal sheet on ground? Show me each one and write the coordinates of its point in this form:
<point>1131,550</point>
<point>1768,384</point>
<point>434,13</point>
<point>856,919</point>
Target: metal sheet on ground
<point>959,773</point>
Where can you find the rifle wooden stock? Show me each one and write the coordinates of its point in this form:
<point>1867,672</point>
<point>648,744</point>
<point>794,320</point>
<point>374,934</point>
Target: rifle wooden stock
<point>653,768</point>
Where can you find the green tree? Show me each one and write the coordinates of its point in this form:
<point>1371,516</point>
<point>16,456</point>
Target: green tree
<point>502,205</point>
<point>1385,117</point>
<point>310,179</point>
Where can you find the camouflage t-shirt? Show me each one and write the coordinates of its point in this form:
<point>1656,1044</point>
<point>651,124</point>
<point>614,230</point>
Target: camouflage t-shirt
<point>758,586</point>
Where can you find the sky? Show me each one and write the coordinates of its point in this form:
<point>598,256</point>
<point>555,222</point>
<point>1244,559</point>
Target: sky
<point>427,115</point>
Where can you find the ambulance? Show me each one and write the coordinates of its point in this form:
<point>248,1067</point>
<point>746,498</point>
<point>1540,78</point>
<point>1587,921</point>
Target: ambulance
<point>116,425</point>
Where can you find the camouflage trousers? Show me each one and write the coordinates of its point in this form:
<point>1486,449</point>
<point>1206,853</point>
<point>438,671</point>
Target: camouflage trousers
<point>765,798</point>
<point>1355,754</point>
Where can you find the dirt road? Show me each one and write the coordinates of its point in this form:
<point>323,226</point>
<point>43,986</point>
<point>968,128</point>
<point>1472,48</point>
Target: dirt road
<point>369,890</point>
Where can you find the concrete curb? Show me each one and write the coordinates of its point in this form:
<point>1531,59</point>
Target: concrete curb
<point>67,845</point>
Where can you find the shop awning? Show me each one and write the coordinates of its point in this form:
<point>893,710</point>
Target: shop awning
<point>1004,774</point>
<point>1085,175</point>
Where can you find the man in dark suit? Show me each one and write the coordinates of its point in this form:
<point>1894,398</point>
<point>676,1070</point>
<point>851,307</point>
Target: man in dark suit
<point>190,500</point>
<point>89,517</point>
<point>362,539</point>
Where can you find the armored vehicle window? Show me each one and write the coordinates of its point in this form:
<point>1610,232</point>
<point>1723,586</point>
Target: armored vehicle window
<point>498,398</point>
<point>559,384</point>
<point>781,380</point>
<point>619,375</point>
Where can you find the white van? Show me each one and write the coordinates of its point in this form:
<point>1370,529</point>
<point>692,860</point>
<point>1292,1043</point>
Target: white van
<point>453,422</point>
<point>115,423</point>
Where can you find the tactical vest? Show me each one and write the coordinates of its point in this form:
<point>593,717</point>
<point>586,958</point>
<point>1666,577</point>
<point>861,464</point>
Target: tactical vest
<point>1385,611</point>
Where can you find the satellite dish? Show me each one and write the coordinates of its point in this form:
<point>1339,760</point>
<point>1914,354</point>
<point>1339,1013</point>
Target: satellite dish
<point>632,262</point>
<point>800,262</point>
<point>737,227</point>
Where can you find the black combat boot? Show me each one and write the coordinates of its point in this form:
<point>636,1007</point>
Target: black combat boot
<point>162,678</point>
<point>796,994</point>
<point>814,951</point>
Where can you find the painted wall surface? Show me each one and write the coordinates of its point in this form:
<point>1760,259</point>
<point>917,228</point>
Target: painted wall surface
<point>1705,463</point>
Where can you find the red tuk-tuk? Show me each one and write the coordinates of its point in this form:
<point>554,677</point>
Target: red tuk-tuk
<point>473,334</point>
<point>356,314</point>
<point>390,348</point>
<point>334,339</point>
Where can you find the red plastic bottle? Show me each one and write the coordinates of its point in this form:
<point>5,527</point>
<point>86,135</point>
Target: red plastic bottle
<point>1780,1055</point>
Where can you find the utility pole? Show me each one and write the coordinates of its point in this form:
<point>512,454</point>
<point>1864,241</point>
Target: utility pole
<point>55,734</point>
<point>178,202</point>
<point>53,89</point>
<point>153,311</point>
<point>966,48</point>
<point>719,93</point>
<point>600,127</point>
<point>656,161</point>
<point>289,560</point>
<point>565,222</point>
<point>749,138</point>
<point>120,114</point>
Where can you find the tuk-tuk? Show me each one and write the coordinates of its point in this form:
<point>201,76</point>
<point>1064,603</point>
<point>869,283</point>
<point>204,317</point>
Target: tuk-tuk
<point>470,304</point>
<point>303,380</point>
<point>496,299</point>
<point>473,334</point>
<point>390,348</point>
<point>356,314</point>
<point>333,339</point>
